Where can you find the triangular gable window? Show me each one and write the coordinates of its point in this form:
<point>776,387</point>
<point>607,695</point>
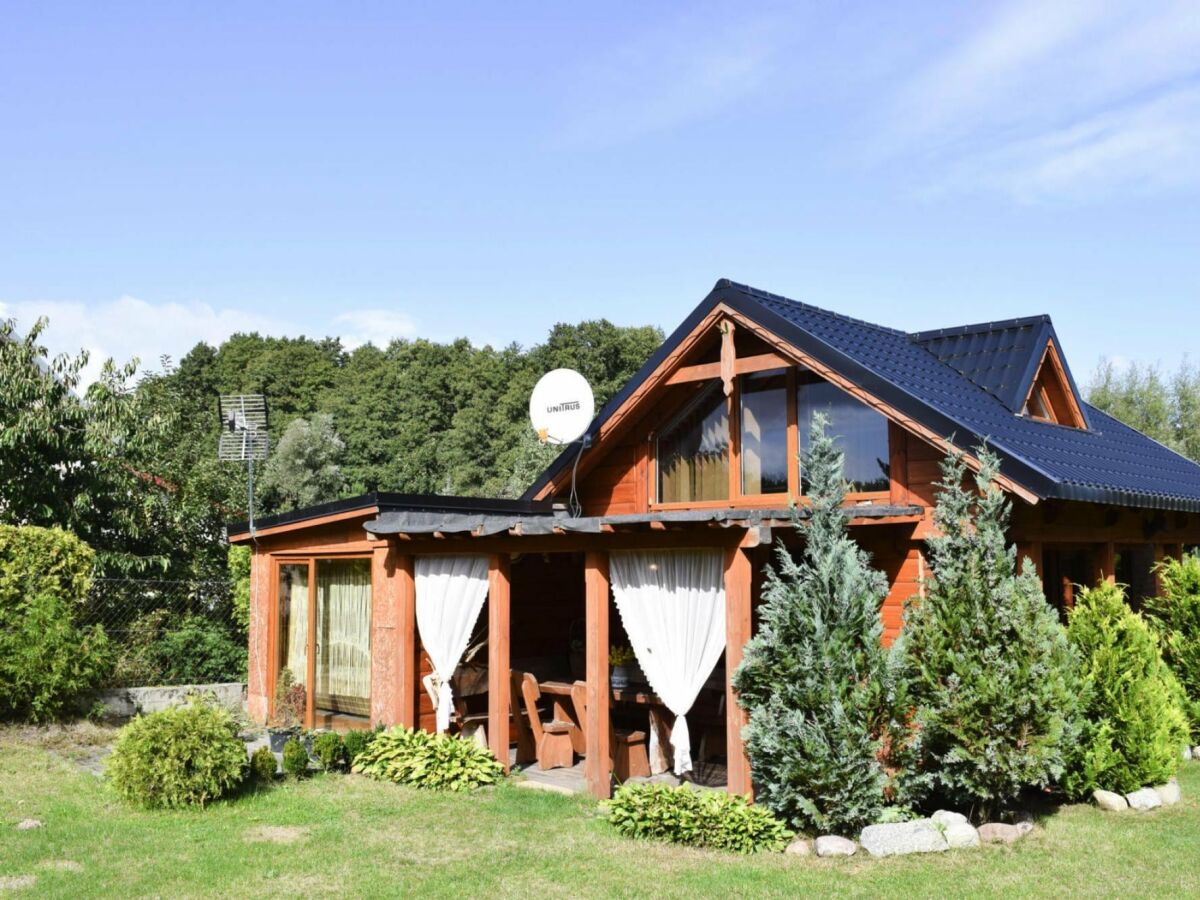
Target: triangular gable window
<point>1050,396</point>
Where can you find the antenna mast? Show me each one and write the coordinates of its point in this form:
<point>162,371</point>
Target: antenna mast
<point>243,435</point>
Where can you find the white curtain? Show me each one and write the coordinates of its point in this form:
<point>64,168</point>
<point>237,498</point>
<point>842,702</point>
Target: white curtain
<point>672,604</point>
<point>450,594</point>
<point>344,634</point>
<point>297,616</point>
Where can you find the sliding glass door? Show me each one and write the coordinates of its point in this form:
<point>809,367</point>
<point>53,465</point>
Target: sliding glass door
<point>323,635</point>
<point>343,639</point>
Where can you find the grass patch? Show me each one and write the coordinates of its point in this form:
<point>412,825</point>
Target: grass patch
<point>350,835</point>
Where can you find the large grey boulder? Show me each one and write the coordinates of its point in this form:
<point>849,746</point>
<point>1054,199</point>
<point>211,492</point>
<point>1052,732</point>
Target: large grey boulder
<point>999,833</point>
<point>900,838</point>
<point>1187,753</point>
<point>1109,801</point>
<point>832,845</point>
<point>1168,793</point>
<point>957,829</point>
<point>1146,798</point>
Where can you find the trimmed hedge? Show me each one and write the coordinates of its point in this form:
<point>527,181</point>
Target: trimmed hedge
<point>696,818</point>
<point>48,665</point>
<point>185,756</point>
<point>1175,617</point>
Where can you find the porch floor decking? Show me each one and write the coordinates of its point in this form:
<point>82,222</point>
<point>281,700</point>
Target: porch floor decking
<point>573,780</point>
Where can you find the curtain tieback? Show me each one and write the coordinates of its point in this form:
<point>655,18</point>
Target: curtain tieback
<point>681,740</point>
<point>445,704</point>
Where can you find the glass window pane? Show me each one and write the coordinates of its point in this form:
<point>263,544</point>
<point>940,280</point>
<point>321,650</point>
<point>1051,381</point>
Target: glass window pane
<point>860,433</point>
<point>293,620</point>
<point>693,454</point>
<point>344,635</point>
<point>764,433</point>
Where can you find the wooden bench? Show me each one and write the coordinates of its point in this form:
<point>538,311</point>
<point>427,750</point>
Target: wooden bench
<point>628,748</point>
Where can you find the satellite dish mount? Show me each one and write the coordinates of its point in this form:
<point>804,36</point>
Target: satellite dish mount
<point>561,408</point>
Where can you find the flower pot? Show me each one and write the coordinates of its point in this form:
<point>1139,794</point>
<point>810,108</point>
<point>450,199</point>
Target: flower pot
<point>277,737</point>
<point>621,676</point>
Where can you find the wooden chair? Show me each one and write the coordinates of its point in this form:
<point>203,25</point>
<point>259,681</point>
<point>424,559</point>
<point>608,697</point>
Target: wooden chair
<point>551,741</point>
<point>628,748</point>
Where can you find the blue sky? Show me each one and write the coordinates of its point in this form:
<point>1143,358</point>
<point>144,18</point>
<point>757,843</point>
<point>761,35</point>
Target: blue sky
<point>173,172</point>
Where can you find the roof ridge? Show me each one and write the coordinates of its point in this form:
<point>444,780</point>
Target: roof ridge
<point>761,294</point>
<point>979,327</point>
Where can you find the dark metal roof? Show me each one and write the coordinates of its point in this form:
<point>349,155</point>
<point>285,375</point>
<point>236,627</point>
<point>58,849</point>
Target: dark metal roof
<point>389,502</point>
<point>483,525</point>
<point>1106,463</point>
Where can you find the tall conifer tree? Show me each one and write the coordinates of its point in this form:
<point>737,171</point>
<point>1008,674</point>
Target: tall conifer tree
<point>814,678</point>
<point>988,668</point>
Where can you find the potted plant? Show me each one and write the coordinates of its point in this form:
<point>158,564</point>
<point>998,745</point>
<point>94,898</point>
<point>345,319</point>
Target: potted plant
<point>291,701</point>
<point>623,667</point>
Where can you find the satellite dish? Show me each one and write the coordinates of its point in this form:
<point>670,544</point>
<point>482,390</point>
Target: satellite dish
<point>561,406</point>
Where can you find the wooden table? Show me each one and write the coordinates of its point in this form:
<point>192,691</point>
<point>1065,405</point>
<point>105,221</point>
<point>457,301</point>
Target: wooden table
<point>564,711</point>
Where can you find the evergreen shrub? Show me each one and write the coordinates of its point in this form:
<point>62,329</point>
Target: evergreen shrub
<point>815,678</point>
<point>184,756</point>
<point>329,750</point>
<point>48,665</point>
<point>989,672</point>
<point>263,765</point>
<point>1132,719</point>
<point>295,758</point>
<point>1175,617</point>
<point>697,818</point>
<point>355,742</point>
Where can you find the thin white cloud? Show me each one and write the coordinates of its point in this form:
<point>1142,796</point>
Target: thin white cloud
<point>1073,99</point>
<point>693,68</point>
<point>373,326</point>
<point>130,327</point>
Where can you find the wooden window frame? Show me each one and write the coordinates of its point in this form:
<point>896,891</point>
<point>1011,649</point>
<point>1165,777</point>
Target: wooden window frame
<point>1051,393</point>
<point>736,498</point>
<point>292,558</point>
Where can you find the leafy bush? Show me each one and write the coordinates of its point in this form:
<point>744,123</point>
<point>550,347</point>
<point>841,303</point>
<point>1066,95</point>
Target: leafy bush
<point>162,649</point>
<point>815,678</point>
<point>990,674</point>
<point>355,742</point>
<point>1132,720</point>
<point>329,750</point>
<point>184,756</point>
<point>239,574</point>
<point>435,761</point>
<point>683,815</point>
<point>295,758</point>
<point>48,665</point>
<point>263,765</point>
<point>1175,617</point>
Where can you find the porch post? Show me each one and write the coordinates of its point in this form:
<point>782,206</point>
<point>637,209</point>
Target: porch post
<point>385,636</point>
<point>406,640</point>
<point>310,672</point>
<point>499,590</point>
<point>1107,564</point>
<point>598,762</point>
<point>737,632</point>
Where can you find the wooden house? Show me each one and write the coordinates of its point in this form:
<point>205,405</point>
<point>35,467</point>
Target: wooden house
<point>696,459</point>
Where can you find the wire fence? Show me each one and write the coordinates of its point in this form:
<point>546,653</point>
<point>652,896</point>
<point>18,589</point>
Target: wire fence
<point>166,632</point>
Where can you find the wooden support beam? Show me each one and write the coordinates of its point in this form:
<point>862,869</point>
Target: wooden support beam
<point>310,655</point>
<point>409,665</point>
<point>1031,551</point>
<point>742,365</point>
<point>728,357</point>
<point>386,660</point>
<point>737,632</point>
<point>499,668</point>
<point>1107,563</point>
<point>598,762</point>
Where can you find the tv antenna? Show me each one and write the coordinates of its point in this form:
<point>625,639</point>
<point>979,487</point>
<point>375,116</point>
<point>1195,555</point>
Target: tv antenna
<point>243,435</point>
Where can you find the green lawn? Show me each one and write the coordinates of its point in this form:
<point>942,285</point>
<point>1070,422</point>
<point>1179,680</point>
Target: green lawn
<point>352,836</point>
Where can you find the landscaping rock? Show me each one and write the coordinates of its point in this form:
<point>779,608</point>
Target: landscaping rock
<point>832,845</point>
<point>28,824</point>
<point>998,833</point>
<point>1168,793</point>
<point>1024,827</point>
<point>799,847</point>
<point>901,838</point>
<point>1187,753</point>
<point>1146,798</point>
<point>946,817</point>
<point>1196,752</point>
<point>1109,801</point>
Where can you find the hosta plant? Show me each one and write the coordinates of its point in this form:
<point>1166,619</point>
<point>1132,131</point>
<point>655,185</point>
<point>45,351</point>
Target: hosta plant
<point>434,761</point>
